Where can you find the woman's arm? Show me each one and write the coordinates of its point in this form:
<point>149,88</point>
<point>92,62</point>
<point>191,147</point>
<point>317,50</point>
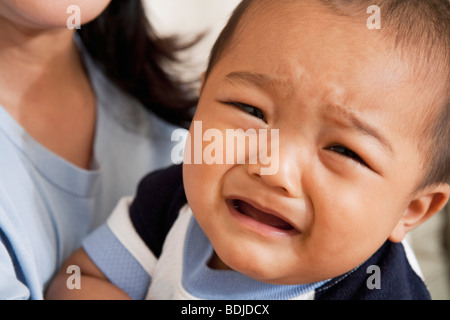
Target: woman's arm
<point>93,283</point>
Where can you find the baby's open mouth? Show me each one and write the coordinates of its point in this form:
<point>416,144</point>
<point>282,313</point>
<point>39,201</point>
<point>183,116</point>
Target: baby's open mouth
<point>261,216</point>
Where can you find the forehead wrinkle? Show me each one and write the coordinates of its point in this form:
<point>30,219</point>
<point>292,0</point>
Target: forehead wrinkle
<point>348,118</point>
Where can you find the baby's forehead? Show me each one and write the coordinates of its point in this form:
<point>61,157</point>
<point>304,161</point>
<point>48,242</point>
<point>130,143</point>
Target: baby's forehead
<point>426,70</point>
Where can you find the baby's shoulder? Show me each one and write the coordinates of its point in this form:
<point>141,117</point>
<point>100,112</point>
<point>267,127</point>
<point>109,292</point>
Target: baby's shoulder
<point>159,198</point>
<point>387,275</point>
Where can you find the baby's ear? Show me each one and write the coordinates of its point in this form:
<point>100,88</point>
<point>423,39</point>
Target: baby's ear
<point>424,205</point>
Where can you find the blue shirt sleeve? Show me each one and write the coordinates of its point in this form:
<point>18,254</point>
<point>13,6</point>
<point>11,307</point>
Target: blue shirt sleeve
<point>117,263</point>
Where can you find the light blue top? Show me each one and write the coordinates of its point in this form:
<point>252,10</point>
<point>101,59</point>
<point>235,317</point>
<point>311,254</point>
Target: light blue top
<point>48,205</point>
<point>126,267</point>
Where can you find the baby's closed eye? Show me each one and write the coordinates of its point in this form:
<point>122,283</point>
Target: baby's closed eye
<point>254,111</point>
<point>346,152</point>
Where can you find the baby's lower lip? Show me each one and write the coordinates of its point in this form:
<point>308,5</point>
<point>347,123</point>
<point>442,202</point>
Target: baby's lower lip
<point>260,220</point>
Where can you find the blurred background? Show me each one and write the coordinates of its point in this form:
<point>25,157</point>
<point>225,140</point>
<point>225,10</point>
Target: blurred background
<point>189,18</point>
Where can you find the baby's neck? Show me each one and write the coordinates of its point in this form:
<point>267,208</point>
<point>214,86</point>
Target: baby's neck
<point>216,263</point>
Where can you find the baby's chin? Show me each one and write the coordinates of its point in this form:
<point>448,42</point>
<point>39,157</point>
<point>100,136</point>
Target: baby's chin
<point>285,273</point>
<point>262,271</point>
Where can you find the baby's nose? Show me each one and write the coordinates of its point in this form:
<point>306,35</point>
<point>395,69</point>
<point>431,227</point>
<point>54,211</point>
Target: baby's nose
<point>283,172</point>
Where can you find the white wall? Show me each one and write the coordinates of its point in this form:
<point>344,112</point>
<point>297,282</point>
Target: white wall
<point>188,18</point>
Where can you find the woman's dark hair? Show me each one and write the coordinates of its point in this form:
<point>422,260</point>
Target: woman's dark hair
<point>124,43</point>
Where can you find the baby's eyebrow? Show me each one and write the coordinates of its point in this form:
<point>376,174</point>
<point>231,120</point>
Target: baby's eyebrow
<point>256,79</point>
<point>339,113</point>
<point>349,119</point>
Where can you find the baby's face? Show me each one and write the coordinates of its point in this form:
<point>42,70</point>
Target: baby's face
<point>347,162</point>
